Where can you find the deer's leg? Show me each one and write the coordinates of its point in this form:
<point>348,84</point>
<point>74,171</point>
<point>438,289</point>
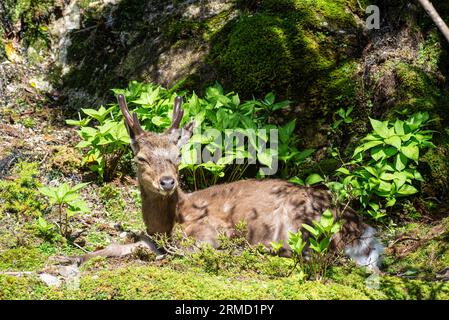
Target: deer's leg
<point>121,250</point>
<point>367,250</point>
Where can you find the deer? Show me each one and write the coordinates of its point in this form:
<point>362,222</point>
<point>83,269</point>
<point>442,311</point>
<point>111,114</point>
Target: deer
<point>271,208</point>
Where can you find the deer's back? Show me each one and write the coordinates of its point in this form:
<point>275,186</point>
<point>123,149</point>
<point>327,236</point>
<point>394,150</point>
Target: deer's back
<point>271,208</point>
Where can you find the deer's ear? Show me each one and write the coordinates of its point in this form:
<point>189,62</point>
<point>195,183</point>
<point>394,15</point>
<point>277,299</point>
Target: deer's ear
<point>186,133</point>
<point>181,136</point>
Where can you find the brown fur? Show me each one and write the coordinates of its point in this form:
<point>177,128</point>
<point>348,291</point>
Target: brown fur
<point>271,208</point>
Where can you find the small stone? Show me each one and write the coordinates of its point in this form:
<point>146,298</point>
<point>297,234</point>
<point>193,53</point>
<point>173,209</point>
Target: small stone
<point>50,280</point>
<point>123,234</point>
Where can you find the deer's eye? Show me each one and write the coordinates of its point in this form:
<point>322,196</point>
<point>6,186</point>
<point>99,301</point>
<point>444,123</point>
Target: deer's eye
<point>141,159</point>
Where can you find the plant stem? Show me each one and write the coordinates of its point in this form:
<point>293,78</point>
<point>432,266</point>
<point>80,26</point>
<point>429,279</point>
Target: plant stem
<point>60,218</point>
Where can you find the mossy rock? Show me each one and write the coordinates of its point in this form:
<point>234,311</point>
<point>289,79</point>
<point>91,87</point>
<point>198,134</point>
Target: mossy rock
<point>285,46</point>
<point>34,15</point>
<point>436,168</point>
<point>259,55</point>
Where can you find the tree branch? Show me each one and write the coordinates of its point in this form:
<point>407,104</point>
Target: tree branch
<point>432,12</point>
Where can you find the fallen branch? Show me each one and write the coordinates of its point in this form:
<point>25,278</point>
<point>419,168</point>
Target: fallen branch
<point>436,18</point>
<point>17,274</point>
<point>402,239</point>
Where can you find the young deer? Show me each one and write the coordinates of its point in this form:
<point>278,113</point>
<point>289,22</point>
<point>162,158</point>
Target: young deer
<point>271,208</point>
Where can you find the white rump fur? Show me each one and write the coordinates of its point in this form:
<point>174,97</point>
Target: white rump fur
<point>367,250</point>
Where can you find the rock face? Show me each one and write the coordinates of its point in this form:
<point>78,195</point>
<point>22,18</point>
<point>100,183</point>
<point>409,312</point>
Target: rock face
<point>316,52</point>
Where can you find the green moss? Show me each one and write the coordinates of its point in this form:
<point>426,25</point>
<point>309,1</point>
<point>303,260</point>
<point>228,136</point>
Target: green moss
<point>152,282</point>
<point>115,205</point>
<point>64,159</point>
<point>420,259</point>
<point>312,12</point>
<point>34,15</point>
<point>182,28</point>
<point>20,195</point>
<point>436,168</point>
<point>162,282</point>
<point>430,52</point>
<point>96,239</point>
<point>258,55</point>
<point>96,263</point>
<point>335,90</point>
<point>289,47</point>
<point>20,288</point>
<point>417,90</point>
<point>21,259</point>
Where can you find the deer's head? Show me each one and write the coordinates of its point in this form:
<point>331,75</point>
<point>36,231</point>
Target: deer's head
<point>157,154</point>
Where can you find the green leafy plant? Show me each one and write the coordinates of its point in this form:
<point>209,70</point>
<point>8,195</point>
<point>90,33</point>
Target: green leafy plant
<point>384,167</point>
<point>320,236</point>
<point>277,246</point>
<point>68,202</point>
<point>45,229</point>
<point>105,143</point>
<point>219,116</point>
<point>312,179</point>
<point>343,116</point>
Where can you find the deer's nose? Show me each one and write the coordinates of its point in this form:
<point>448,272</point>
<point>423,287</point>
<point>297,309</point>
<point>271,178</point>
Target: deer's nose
<point>167,183</point>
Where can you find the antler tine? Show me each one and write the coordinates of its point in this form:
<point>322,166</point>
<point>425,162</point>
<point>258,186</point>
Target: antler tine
<point>177,113</point>
<point>124,107</point>
<point>137,127</point>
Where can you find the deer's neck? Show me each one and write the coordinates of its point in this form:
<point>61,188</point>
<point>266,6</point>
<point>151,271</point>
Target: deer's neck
<point>161,212</point>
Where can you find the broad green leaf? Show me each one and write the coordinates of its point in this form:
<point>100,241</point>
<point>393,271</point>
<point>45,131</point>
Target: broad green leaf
<point>280,105</point>
<point>400,162</point>
<point>394,141</point>
<point>324,244</point>
<point>314,178</point>
<point>391,202</point>
<point>343,170</point>
<point>83,144</point>
<point>265,158</point>
<point>399,127</point>
<point>411,151</point>
<point>384,186</point>
<point>79,186</point>
<point>49,192</point>
<point>81,123</point>
<point>286,131</point>
<point>311,230</point>
<point>367,146</point>
<point>380,127</point>
<point>335,228</point>
<point>314,245</point>
<point>248,123</point>
<point>327,218</point>
<point>406,137</point>
<point>79,206</point>
<point>400,178</point>
<point>269,98</point>
<point>386,176</point>
<point>304,154</point>
<point>297,180</point>
<point>159,121</point>
<point>371,170</point>
<point>235,100</point>
<point>407,190</point>
<point>418,176</point>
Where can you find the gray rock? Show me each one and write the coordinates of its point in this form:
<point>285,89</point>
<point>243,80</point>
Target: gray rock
<point>50,280</point>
